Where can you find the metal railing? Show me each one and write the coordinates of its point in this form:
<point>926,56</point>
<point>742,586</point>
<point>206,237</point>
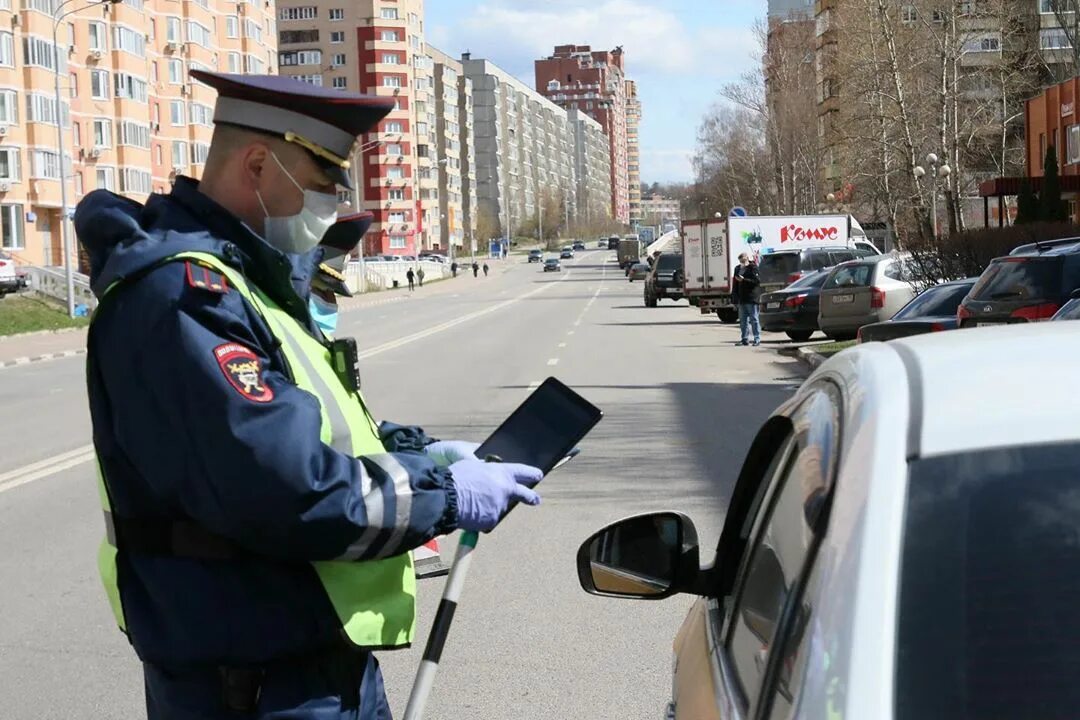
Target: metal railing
<point>53,283</point>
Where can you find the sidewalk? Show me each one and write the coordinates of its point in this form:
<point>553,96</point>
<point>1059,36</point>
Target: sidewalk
<point>49,345</point>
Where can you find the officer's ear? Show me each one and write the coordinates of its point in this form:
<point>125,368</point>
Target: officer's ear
<point>254,162</point>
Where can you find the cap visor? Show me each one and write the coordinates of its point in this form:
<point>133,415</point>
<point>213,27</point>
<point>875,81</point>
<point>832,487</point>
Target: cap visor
<point>336,173</point>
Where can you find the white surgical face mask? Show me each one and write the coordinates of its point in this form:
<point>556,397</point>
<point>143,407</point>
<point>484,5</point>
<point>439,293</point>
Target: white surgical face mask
<point>301,232</point>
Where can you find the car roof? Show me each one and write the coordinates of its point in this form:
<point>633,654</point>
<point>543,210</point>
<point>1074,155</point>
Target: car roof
<point>821,248</point>
<point>964,386</point>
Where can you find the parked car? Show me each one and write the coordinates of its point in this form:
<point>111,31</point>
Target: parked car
<point>602,244</point>
<point>1071,309</point>
<point>1024,287</point>
<point>613,242</point>
<point>536,256</point>
<point>888,542</point>
<point>578,245</point>
<point>638,271</point>
<point>11,280</point>
<point>664,279</point>
<point>552,265</point>
<point>794,310</point>
<point>932,310</point>
<point>779,269</point>
<point>860,292</point>
<point>566,254</point>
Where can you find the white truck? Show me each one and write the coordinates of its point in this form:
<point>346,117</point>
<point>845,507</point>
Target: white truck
<point>711,249</point>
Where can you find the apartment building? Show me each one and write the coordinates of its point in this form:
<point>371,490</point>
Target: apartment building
<point>784,10</point>
<point>592,167</point>
<point>523,151</point>
<point>455,160</point>
<point>633,151</point>
<point>130,117</point>
<point>657,209</point>
<point>594,82</point>
<point>375,47</point>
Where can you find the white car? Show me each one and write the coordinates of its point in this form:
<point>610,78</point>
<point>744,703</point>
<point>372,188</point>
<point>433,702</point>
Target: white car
<point>903,542</point>
<point>10,279</point>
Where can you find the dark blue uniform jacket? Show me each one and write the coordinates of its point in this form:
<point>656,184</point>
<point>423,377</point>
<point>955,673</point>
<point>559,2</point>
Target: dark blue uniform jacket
<point>179,440</point>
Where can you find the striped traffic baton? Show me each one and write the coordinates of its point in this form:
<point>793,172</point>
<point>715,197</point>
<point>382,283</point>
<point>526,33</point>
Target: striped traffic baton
<point>440,629</point>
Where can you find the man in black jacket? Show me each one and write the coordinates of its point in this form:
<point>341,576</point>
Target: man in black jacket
<point>747,293</point>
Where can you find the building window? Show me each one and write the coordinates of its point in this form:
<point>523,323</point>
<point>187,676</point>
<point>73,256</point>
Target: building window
<point>391,59</point>
<point>396,194</point>
<point>337,36</point>
<point>199,153</point>
<point>157,154</point>
<point>1054,39</point>
<point>337,13</point>
<point>9,107</point>
<point>102,132</point>
<point>135,181</point>
<point>1072,141</point>
<point>133,134</point>
<point>45,164</point>
<point>300,57</point>
<point>234,62</point>
<point>39,52</point>
<point>179,155</point>
<point>253,65</point>
<point>172,30</point>
<point>290,37</point>
<point>11,226</point>
<point>253,30</point>
<point>341,83</point>
<point>130,87</point>
<point>198,33</point>
<point>105,178</point>
<point>232,26</point>
<point>99,84</point>
<point>310,79</point>
<point>1047,6</point>
<point>393,149</point>
<point>73,85</point>
<point>176,71</point>
<point>390,36</point>
<point>395,173</point>
<point>7,49</point>
<point>308,12</point>
<point>176,113</point>
<point>393,127</point>
<point>9,164</point>
<point>201,114</point>
<point>397,242</point>
<point>415,40</point>
<point>389,13</point>
<point>391,81</point>
<point>984,43</point>
<point>42,108</point>
<point>337,60</point>
<point>129,41</point>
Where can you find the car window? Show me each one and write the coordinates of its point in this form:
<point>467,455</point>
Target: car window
<point>939,301</point>
<point>838,256</point>
<point>853,275</point>
<point>776,267</point>
<point>669,262</point>
<point>784,533</point>
<point>809,282</point>
<point>894,270</point>
<point>989,575</point>
<point>1069,311</point>
<point>816,260</point>
<point>1020,279</point>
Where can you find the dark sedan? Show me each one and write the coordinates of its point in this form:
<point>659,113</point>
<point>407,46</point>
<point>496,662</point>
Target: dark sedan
<point>794,310</point>
<point>932,310</point>
<point>552,265</point>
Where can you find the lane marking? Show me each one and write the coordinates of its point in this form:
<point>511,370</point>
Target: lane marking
<point>562,345</point>
<point>553,361</point>
<point>570,333</point>
<point>44,468</point>
<point>534,384</point>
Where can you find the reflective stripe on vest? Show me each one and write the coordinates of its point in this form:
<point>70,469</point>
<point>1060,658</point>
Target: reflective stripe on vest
<point>375,600</point>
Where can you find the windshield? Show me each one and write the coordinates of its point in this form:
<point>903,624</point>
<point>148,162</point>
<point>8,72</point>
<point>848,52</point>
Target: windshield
<point>1020,279</point>
<point>669,262</point>
<point>940,301</point>
<point>776,267</point>
<point>1069,311</point>
<point>854,275</point>
<point>812,281</point>
<point>990,572</point>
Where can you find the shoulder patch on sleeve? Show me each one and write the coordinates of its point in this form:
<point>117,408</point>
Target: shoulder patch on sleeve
<point>204,278</point>
<point>243,371</point>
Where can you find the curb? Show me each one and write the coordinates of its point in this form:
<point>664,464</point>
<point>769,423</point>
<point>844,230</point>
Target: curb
<point>806,355</point>
<point>40,358</point>
<point>36,333</point>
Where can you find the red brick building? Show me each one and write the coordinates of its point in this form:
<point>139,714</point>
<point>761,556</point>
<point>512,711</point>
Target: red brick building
<point>595,84</point>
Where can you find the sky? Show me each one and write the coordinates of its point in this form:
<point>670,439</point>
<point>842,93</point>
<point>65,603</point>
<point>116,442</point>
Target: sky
<point>680,54</point>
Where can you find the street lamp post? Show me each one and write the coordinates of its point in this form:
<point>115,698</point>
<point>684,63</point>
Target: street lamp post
<point>65,233</point>
<point>935,173</point>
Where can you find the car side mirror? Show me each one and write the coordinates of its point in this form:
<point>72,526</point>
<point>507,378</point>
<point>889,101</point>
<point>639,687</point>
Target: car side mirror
<point>647,557</point>
<point>1075,295</point>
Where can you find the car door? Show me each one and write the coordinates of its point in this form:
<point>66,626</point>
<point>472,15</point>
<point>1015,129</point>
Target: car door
<point>774,523</point>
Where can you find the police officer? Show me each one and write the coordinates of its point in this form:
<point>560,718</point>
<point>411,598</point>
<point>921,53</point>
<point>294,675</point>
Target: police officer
<point>258,520</point>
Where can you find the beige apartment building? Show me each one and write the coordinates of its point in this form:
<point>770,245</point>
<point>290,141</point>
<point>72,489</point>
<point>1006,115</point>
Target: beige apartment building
<point>455,160</point>
<point>633,151</point>
<point>131,117</point>
<point>592,167</point>
<point>376,47</point>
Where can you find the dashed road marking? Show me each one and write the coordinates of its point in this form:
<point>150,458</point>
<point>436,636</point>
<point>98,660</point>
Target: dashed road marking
<point>553,361</point>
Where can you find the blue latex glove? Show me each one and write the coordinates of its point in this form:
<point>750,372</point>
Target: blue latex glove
<point>486,490</point>
<point>445,453</point>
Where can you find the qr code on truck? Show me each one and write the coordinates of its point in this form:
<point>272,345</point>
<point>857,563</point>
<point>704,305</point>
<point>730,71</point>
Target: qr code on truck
<point>716,246</point>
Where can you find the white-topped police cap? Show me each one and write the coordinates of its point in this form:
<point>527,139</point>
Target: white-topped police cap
<point>323,121</point>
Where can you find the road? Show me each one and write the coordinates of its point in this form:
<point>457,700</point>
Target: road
<point>681,405</point>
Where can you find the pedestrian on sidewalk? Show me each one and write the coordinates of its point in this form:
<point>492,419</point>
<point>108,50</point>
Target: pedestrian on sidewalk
<point>485,269</point>
<point>258,522</point>
<point>411,277</point>
<point>747,293</point>
<point>453,268</point>
<point>420,276</point>
<point>475,268</point>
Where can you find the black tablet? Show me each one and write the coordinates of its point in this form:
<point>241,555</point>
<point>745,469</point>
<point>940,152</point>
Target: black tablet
<point>544,429</point>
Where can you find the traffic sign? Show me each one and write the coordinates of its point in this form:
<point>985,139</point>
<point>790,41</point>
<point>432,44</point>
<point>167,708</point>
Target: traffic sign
<point>737,211</point>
